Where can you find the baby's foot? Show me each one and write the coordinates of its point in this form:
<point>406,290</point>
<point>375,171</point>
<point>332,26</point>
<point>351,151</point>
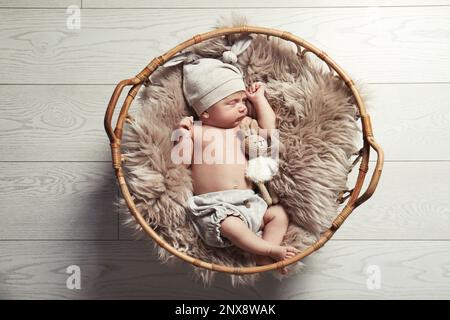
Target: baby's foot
<point>277,253</point>
<point>280,253</point>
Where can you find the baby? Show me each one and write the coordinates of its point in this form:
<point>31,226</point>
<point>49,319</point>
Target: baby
<point>225,209</point>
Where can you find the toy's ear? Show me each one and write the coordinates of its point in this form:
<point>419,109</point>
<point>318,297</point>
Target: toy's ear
<point>254,128</point>
<point>244,131</point>
<point>246,145</point>
<point>244,126</point>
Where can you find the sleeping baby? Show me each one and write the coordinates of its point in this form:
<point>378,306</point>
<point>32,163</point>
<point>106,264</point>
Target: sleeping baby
<point>225,210</point>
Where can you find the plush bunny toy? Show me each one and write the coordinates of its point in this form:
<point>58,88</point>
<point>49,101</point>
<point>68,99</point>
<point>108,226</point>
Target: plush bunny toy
<point>261,167</point>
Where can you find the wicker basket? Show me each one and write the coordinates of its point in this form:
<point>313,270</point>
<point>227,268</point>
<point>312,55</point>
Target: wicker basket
<point>352,196</point>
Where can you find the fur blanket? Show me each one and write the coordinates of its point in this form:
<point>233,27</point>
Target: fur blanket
<point>316,120</point>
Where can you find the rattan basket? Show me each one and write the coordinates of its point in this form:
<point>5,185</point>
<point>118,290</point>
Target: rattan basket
<point>353,197</point>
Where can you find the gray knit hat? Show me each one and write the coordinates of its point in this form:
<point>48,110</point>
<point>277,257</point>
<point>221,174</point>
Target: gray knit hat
<point>206,80</point>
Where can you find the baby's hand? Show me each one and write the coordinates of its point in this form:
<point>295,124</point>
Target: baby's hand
<point>186,123</point>
<point>255,91</point>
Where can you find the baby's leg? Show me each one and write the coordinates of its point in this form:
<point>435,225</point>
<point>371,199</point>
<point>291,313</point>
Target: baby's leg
<point>240,235</point>
<point>276,222</point>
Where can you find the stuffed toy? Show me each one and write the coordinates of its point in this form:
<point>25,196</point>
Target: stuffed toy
<point>261,166</point>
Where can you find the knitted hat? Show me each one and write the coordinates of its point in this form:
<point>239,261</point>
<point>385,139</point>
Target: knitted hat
<point>207,80</point>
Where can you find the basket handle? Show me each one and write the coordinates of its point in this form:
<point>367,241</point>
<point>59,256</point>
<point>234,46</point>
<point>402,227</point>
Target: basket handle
<point>116,135</point>
<point>112,105</point>
<point>367,127</point>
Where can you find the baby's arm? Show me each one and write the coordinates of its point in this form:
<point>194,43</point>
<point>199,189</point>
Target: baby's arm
<point>183,149</point>
<point>264,112</point>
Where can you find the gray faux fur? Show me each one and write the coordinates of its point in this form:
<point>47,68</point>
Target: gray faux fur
<point>316,116</point>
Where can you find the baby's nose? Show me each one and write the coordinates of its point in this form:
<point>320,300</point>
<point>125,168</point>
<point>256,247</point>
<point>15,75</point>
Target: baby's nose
<point>242,108</point>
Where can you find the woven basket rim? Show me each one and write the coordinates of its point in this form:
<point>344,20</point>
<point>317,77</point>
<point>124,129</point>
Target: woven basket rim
<point>354,200</point>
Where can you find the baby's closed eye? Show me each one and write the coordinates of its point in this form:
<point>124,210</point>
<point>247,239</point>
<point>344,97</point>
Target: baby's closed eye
<point>234,102</point>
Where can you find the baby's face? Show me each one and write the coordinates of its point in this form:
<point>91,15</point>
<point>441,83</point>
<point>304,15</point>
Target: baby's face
<point>228,112</point>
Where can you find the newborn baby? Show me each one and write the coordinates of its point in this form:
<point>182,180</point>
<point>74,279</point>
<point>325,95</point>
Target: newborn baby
<point>225,209</point>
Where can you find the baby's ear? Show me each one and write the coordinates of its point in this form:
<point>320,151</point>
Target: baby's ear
<point>204,115</point>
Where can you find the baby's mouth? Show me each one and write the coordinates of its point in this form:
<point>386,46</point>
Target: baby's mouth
<point>242,117</point>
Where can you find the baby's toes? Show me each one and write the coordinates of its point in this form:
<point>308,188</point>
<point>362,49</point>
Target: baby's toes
<point>292,249</point>
<point>291,252</point>
<point>289,255</point>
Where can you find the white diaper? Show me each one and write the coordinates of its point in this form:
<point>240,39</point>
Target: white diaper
<point>208,210</point>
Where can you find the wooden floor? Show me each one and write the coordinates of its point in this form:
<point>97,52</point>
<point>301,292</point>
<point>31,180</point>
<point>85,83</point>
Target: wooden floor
<point>57,186</point>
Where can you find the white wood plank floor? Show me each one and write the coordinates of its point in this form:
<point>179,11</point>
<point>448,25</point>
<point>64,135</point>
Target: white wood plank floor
<point>57,186</point>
